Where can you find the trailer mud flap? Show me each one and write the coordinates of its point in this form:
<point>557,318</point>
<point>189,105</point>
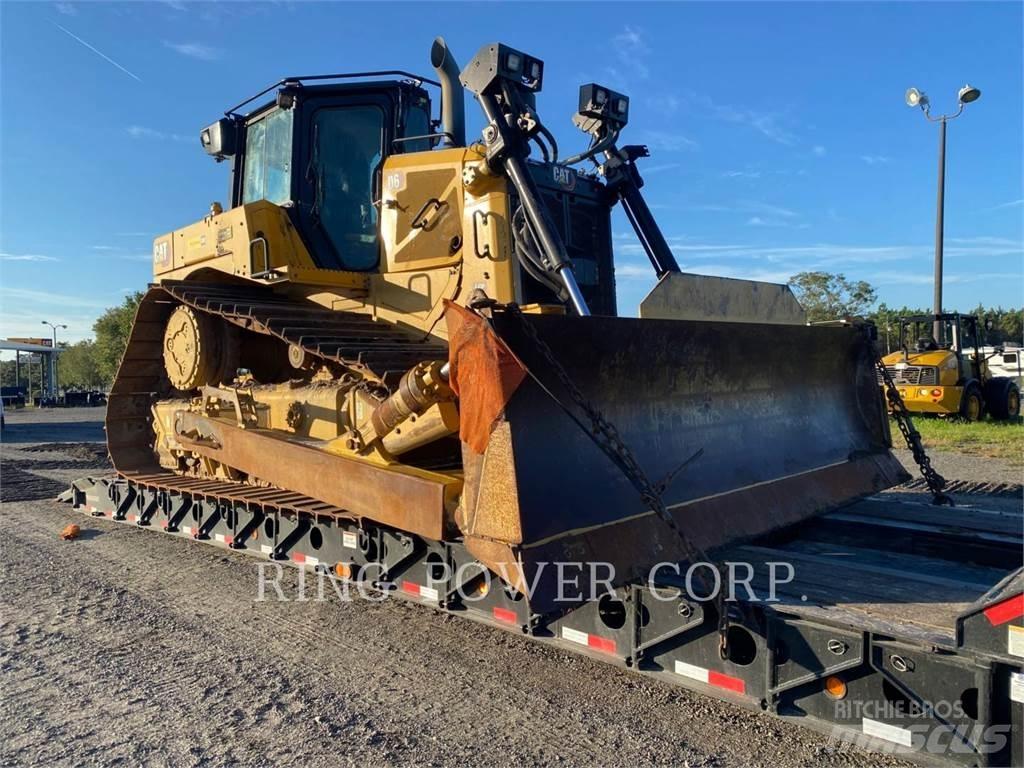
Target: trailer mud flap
<point>746,427</point>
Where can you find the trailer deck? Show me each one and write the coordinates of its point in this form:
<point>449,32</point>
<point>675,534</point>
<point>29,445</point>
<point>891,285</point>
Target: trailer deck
<point>892,564</point>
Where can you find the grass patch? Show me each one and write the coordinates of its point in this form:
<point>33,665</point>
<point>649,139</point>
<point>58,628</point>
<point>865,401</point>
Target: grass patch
<point>997,439</point>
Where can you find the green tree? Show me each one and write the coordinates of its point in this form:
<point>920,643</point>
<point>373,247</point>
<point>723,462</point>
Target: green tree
<point>112,329</point>
<point>830,296</point>
<point>7,378</point>
<point>79,367</point>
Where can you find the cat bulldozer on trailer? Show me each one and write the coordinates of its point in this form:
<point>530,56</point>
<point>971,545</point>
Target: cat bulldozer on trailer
<point>951,376</point>
<point>395,359</point>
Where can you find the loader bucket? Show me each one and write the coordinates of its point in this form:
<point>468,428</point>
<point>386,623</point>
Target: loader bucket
<point>777,423</point>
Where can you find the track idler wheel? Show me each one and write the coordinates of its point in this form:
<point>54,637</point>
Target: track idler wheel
<point>198,349</point>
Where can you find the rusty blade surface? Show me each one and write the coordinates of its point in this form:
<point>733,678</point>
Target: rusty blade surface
<point>409,499</point>
<point>787,421</point>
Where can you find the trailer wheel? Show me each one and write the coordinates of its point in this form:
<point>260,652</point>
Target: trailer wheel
<point>1002,396</point>
<point>972,403</point>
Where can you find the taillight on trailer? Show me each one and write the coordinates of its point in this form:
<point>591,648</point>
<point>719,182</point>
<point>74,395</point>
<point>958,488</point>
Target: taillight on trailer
<point>936,393</point>
<point>835,687</point>
<point>1005,611</point>
<point>343,570</point>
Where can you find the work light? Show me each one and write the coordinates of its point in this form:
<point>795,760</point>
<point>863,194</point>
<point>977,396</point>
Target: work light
<point>916,98</point>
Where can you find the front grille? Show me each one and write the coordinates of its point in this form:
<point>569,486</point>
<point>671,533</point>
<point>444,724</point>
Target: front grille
<point>912,374</point>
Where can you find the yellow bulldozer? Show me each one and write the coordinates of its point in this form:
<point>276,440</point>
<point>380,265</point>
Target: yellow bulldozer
<point>408,342</point>
<point>949,375</point>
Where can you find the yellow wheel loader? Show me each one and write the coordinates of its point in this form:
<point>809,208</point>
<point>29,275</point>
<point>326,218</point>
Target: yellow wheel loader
<point>949,376</point>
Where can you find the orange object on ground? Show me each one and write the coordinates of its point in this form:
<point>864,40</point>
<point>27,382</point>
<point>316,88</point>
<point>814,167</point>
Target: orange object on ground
<point>70,532</point>
<point>484,373</point>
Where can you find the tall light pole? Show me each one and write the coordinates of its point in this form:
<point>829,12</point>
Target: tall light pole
<point>916,98</point>
<point>53,356</point>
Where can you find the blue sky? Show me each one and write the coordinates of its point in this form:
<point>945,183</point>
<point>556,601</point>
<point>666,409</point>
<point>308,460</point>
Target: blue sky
<point>779,137</point>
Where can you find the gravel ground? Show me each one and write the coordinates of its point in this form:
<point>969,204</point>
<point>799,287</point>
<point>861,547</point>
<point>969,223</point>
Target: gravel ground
<point>116,651</point>
<point>963,466</point>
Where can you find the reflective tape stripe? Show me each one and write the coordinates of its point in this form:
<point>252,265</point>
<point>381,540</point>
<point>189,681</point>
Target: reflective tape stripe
<point>711,677</point>
<point>505,615</point>
<point>1007,610</point>
<point>419,591</point>
<point>693,672</point>
<point>604,644</point>
<point>888,732</point>
<point>303,559</point>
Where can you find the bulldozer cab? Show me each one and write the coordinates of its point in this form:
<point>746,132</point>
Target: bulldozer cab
<point>317,152</point>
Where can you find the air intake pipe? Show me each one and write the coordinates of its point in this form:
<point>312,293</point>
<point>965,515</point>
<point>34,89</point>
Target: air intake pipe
<point>453,107</point>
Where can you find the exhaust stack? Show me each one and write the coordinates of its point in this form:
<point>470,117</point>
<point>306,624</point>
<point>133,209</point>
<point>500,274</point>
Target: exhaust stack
<point>453,108</point>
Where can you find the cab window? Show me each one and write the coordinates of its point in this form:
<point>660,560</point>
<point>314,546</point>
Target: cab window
<point>346,153</point>
<point>268,159</point>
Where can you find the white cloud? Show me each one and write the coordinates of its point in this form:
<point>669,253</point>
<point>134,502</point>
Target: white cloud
<point>49,299</point>
<point>768,124</point>
<point>26,257</point>
<point>668,142</point>
<point>633,272</point>
<point>1011,204</point>
<point>918,278</point>
<point>818,151</point>
<point>741,175</point>
<point>771,210</point>
<point>875,159</point>
<point>631,49</point>
<point>103,248</point>
<point>141,132</point>
<point>833,255</point>
<point>66,9</point>
<point>195,50</point>
<point>649,169</point>
<point>761,221</point>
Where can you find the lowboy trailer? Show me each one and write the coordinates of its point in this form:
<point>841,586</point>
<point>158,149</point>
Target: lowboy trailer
<point>900,627</point>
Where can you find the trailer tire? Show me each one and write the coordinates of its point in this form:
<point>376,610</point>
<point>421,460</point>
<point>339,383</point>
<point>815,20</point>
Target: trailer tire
<point>1002,396</point>
<point>972,403</point>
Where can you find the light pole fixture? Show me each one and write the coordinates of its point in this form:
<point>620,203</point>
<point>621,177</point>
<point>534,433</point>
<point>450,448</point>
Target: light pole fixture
<point>53,356</point>
<point>916,98</point>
